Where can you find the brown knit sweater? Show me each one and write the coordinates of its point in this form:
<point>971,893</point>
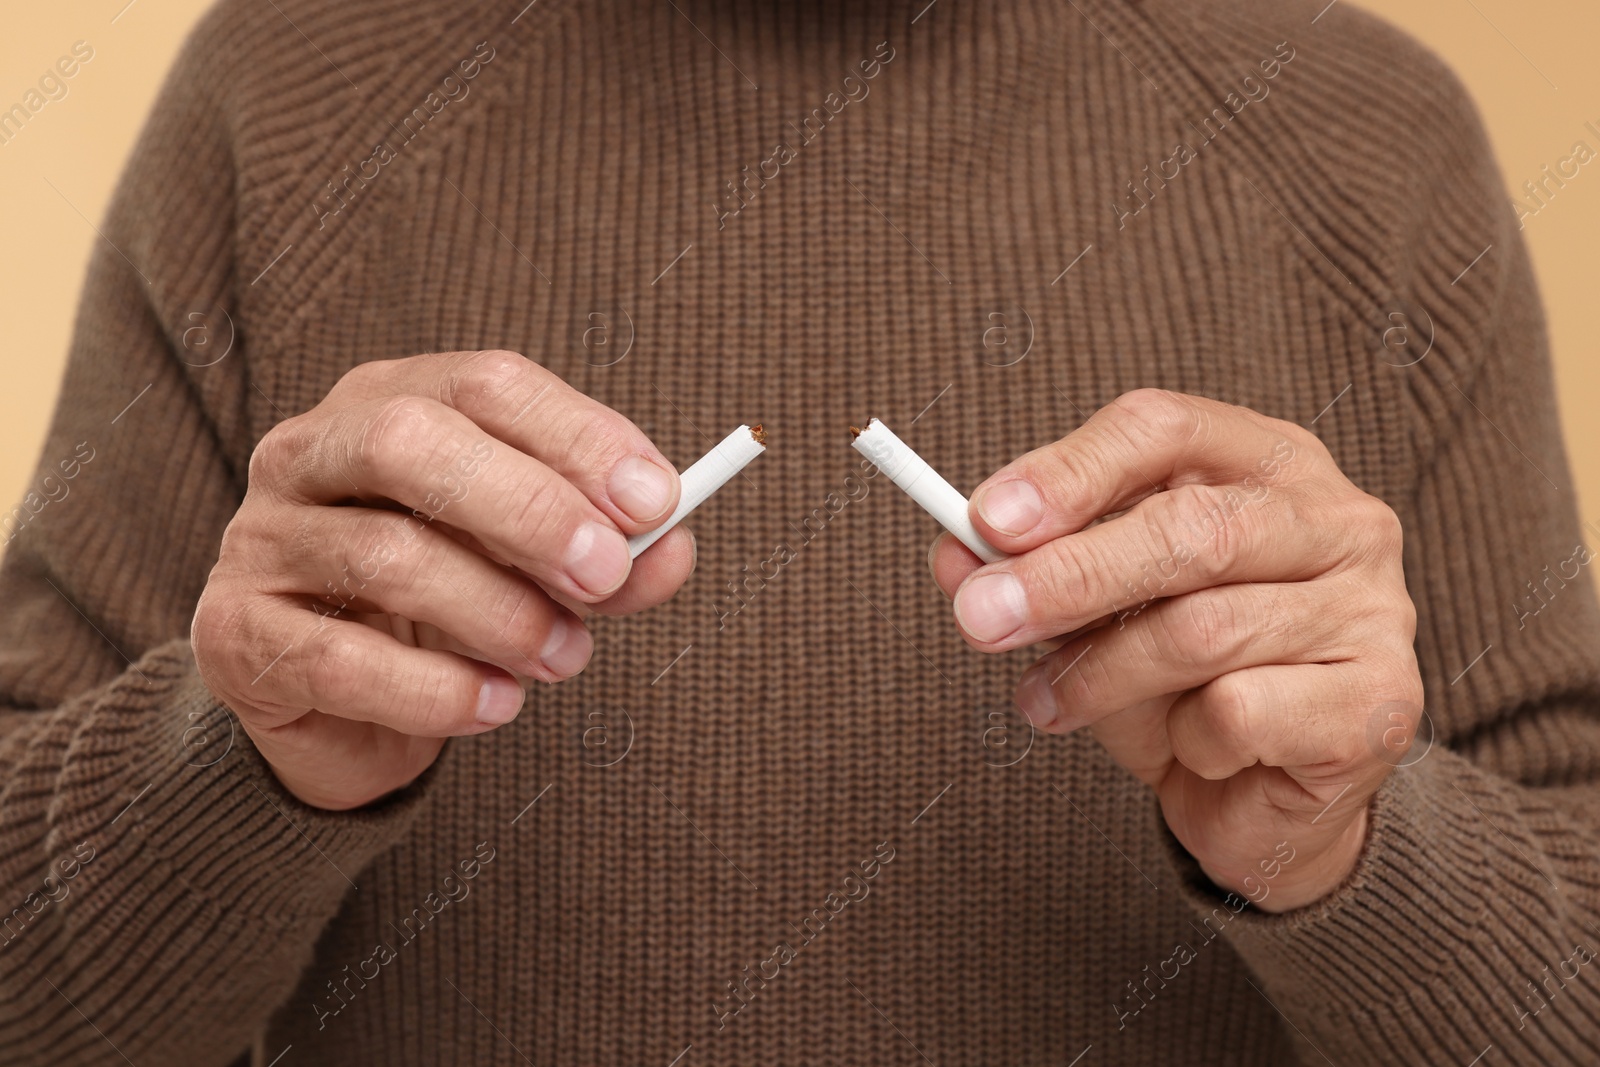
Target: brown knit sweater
<point>790,818</point>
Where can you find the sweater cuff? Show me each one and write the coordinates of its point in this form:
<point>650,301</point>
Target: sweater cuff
<point>160,773</point>
<point>1440,919</point>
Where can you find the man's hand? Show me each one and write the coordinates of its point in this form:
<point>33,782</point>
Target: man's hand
<point>1235,619</point>
<point>432,531</point>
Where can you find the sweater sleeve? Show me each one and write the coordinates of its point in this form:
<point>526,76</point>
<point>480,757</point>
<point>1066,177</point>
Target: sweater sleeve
<point>159,892</point>
<point>1471,920</point>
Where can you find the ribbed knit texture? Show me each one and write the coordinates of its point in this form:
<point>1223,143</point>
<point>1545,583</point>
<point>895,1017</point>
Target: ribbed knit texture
<point>747,770</point>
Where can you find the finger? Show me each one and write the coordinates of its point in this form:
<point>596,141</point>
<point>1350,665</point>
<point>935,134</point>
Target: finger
<point>379,561</point>
<point>657,575</point>
<point>435,461</point>
<point>352,671</point>
<point>598,450</point>
<point>427,635</point>
<point>951,562</point>
<point>1139,444</point>
<point>1177,645</point>
<point>1136,737</point>
<point>1176,542</point>
<point>1308,720</point>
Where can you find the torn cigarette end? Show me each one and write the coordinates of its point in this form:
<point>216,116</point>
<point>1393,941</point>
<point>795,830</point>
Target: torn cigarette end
<point>924,485</point>
<point>705,476</point>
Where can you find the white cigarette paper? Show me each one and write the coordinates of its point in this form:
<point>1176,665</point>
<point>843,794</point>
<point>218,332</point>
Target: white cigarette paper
<point>708,474</point>
<point>923,484</point>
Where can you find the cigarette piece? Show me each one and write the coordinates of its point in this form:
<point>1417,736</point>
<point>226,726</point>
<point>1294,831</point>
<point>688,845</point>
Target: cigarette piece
<point>708,474</point>
<point>923,484</point>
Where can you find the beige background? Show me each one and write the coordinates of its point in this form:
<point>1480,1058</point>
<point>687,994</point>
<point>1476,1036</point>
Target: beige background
<point>1530,65</point>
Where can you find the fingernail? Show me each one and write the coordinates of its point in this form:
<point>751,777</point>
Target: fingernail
<point>597,559</point>
<point>1037,699</point>
<point>567,648</point>
<point>499,701</point>
<point>640,488</point>
<point>1013,507</point>
<point>992,606</point>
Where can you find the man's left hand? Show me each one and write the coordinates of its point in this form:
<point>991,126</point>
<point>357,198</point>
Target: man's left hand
<point>1236,627</point>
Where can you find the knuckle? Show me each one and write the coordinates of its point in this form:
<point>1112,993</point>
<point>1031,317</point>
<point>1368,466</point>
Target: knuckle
<point>595,437</point>
<point>439,698</point>
<point>1157,645</point>
<point>370,560</point>
<point>1307,441</point>
<point>335,670</point>
<point>1412,690</point>
<point>274,455</point>
<point>1294,511</point>
<point>1390,675</point>
<point>1230,705</point>
<point>1209,628</point>
<point>479,378</point>
<point>539,507</point>
<point>1332,529</point>
<point>212,631</point>
<point>395,435</point>
<point>1068,583</point>
<point>1205,521</point>
<point>428,699</point>
<point>524,617</point>
<point>1065,463</point>
<point>1357,528</point>
<point>1344,742</point>
<point>367,376</point>
<point>1406,618</point>
<point>249,536</point>
<point>1297,437</point>
<point>604,441</point>
<point>418,573</point>
<point>1161,413</point>
<point>1080,685</point>
<point>1114,434</point>
<point>1383,527</point>
<point>301,536</point>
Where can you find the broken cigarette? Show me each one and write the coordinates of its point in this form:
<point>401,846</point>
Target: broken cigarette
<point>708,474</point>
<point>923,484</point>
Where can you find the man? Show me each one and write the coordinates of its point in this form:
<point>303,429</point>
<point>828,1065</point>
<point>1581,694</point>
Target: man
<point>333,686</point>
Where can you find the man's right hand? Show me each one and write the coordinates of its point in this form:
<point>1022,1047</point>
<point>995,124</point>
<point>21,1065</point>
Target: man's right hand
<point>436,528</point>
